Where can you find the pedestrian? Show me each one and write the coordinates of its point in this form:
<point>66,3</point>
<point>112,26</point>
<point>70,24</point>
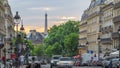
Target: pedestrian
<point>33,63</point>
<point>16,62</point>
<point>22,59</point>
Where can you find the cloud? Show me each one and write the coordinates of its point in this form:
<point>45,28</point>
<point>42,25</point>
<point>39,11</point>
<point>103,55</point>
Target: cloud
<point>44,8</point>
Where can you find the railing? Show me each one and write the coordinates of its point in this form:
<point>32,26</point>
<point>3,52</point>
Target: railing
<point>83,31</point>
<point>107,29</point>
<point>117,5</point>
<point>106,40</point>
<point>116,19</point>
<point>94,14</point>
<point>115,35</point>
<point>83,38</point>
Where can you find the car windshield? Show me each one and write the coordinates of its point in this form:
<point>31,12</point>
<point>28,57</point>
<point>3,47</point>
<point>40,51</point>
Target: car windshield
<point>56,57</point>
<point>65,59</point>
<point>116,59</point>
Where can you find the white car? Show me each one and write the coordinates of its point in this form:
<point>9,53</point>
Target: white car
<point>65,62</point>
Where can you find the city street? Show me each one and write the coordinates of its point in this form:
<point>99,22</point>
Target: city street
<point>48,66</point>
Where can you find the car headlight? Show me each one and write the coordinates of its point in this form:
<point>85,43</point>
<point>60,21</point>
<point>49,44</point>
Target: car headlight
<point>59,62</point>
<point>52,61</point>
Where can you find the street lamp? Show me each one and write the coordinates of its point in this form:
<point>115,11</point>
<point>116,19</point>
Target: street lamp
<point>99,39</point>
<point>119,40</point>
<point>17,20</point>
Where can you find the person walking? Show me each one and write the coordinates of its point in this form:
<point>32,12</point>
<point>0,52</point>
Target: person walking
<point>33,63</point>
<point>22,59</point>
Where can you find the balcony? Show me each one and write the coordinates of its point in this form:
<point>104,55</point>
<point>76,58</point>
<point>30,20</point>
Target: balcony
<point>8,39</point>
<point>106,41</point>
<point>82,31</point>
<point>81,24</point>
<point>82,46</point>
<point>115,35</point>
<point>117,5</point>
<point>94,14</point>
<point>116,19</point>
<point>10,27</point>
<point>84,38</point>
<point>107,29</point>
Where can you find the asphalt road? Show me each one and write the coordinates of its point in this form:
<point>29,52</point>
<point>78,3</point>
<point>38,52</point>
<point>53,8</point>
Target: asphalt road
<point>48,66</point>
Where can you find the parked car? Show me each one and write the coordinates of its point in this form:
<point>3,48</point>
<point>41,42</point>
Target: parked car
<point>54,60</point>
<point>65,62</point>
<point>43,61</point>
<point>36,61</point>
<point>116,63</point>
<point>1,64</point>
<point>106,62</point>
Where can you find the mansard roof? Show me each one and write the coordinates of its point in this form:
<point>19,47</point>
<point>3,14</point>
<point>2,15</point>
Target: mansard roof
<point>84,16</point>
<point>95,3</point>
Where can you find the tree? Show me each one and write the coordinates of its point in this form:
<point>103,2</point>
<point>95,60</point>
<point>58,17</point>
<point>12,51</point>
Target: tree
<point>38,50</point>
<point>71,42</point>
<point>55,42</point>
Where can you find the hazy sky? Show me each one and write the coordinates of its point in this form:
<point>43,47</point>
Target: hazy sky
<point>59,11</point>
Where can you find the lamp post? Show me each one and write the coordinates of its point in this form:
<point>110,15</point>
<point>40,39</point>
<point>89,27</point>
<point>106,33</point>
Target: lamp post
<point>99,39</point>
<point>119,40</point>
<point>87,46</point>
<point>17,20</point>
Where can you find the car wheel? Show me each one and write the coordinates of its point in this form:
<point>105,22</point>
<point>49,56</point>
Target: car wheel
<point>51,66</point>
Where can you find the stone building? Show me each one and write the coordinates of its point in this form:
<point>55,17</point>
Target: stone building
<point>103,22</point>
<point>9,26</point>
<point>2,25</point>
<point>35,37</point>
<point>93,22</point>
<point>116,21</point>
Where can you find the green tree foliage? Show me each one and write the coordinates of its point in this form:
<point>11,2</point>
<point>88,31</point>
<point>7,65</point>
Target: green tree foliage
<point>58,35</point>
<point>71,43</point>
<point>38,50</point>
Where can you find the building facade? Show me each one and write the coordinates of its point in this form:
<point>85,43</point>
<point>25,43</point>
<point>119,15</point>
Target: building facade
<point>2,26</point>
<point>107,28</point>
<point>116,21</point>
<point>83,34</point>
<point>93,21</point>
<point>103,21</point>
<point>9,26</point>
<point>35,37</point>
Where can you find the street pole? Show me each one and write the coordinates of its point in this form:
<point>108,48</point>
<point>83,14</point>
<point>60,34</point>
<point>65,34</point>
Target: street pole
<point>17,19</point>
<point>99,48</point>
<point>119,41</point>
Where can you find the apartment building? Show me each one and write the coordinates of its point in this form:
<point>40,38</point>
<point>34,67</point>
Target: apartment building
<point>83,34</point>
<point>93,21</point>
<point>9,26</point>
<point>107,27</point>
<point>2,26</point>
<point>103,22</point>
<point>116,21</point>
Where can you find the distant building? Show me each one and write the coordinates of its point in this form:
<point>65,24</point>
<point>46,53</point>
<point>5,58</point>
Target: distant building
<point>35,37</point>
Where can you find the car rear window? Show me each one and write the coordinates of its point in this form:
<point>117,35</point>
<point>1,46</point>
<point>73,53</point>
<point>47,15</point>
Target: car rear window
<point>56,57</point>
<point>65,59</point>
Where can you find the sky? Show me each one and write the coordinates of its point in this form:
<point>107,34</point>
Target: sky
<point>59,11</point>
